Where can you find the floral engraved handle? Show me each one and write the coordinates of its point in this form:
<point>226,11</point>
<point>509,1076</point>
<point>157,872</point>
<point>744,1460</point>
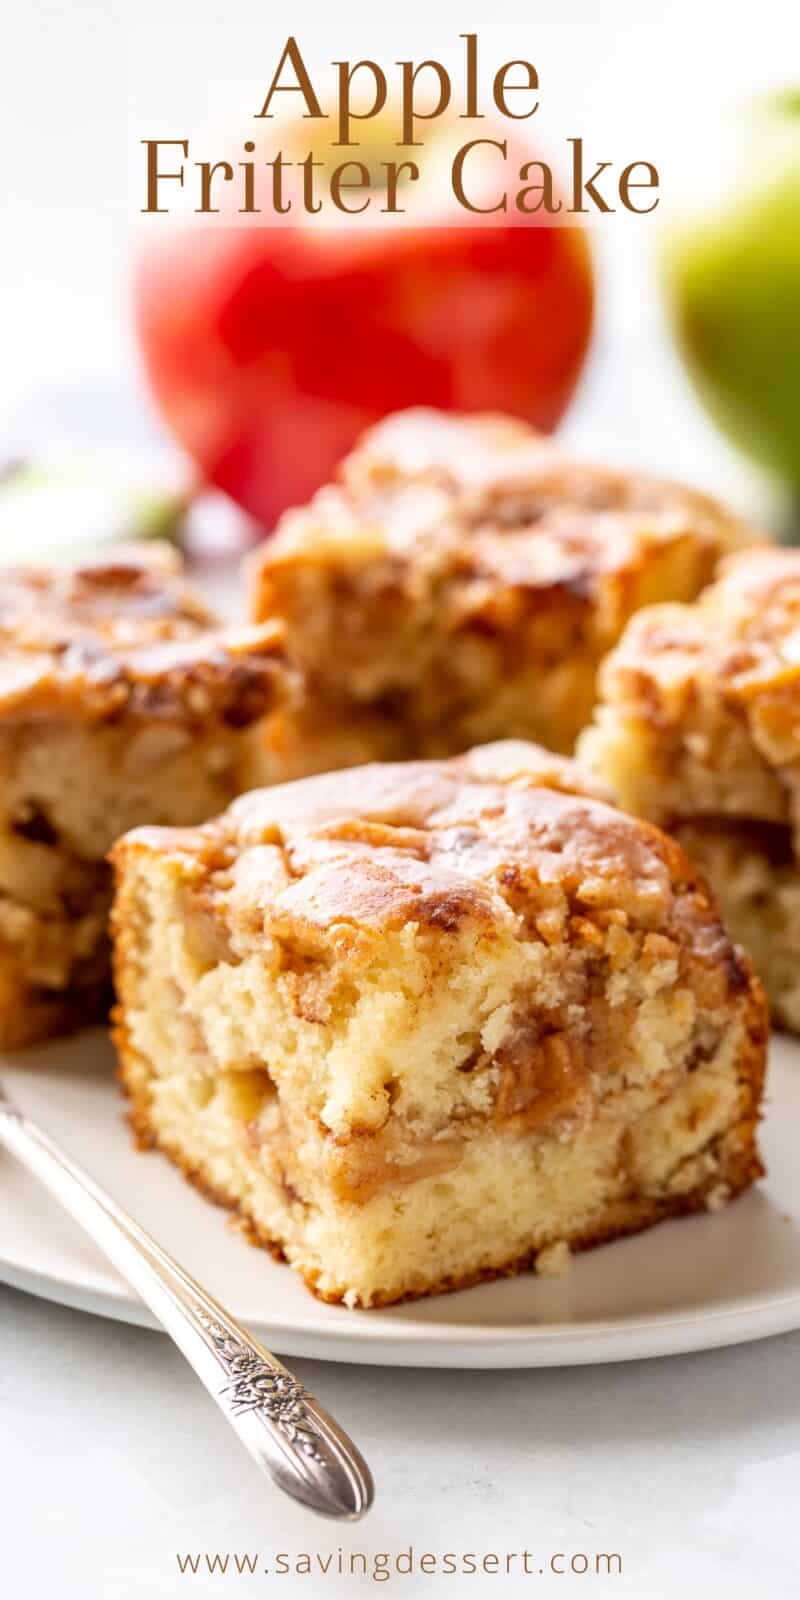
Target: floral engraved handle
<point>288,1433</point>
<point>255,1385</point>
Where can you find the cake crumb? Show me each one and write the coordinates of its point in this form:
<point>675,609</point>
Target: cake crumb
<point>369,956</point>
<point>718,1197</point>
<point>554,1261</point>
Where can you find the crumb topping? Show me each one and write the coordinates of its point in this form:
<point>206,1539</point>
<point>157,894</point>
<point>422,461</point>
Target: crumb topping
<point>743,631</point>
<point>722,676</point>
<point>506,838</point>
<point>129,635</point>
<point>492,501</point>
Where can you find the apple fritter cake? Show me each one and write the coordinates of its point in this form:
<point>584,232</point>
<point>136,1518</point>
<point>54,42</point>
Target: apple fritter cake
<point>461,583</point>
<point>121,701</point>
<point>699,729</point>
<point>419,1023</point>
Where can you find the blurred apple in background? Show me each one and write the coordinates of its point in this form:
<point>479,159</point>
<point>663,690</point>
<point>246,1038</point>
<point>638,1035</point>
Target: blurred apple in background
<point>733,280</point>
<point>269,349</point>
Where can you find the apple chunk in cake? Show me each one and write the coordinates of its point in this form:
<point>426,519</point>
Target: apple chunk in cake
<point>461,582</point>
<point>699,730</point>
<point>419,1022</point>
<point>121,702</point>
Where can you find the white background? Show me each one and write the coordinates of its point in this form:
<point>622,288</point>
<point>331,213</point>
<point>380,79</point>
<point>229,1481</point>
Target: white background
<point>111,1459</point>
<point>84,81</point>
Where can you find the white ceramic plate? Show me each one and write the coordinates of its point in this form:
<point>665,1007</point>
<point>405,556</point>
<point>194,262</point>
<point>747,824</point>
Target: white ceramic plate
<point>689,1285</point>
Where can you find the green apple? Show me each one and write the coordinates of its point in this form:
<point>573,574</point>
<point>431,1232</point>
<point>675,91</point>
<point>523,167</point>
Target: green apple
<point>59,509</point>
<point>733,281</point>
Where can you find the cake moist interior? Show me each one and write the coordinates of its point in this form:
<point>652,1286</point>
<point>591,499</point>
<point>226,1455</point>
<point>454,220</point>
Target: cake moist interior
<point>418,1023</point>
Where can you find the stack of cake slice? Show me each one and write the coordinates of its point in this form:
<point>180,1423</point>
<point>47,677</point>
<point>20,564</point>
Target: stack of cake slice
<point>425,1021</point>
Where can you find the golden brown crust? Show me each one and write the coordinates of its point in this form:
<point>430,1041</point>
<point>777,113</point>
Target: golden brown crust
<point>120,698</point>
<point>137,598</point>
<point>707,697</point>
<point>477,838</point>
<point>699,728</point>
<point>461,581</point>
<point>129,637</point>
<point>496,500</point>
<point>493,458</point>
<point>741,638</point>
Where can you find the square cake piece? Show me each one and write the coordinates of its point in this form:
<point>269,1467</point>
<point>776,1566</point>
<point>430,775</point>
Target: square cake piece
<point>121,702</point>
<point>699,730</point>
<point>418,1023</point>
<point>461,582</point>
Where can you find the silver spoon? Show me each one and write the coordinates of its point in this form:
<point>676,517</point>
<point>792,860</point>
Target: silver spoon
<point>287,1432</point>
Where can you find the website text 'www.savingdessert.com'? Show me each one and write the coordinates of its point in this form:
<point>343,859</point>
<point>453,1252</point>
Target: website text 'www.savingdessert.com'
<point>382,1565</point>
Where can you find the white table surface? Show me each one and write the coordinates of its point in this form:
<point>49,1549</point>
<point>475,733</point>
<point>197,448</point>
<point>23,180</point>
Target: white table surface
<point>114,1462</point>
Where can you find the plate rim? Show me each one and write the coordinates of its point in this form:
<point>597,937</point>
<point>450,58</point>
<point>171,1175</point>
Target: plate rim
<point>462,1346</point>
<point>757,1310</point>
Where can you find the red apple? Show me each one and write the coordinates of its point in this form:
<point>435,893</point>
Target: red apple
<point>269,349</point>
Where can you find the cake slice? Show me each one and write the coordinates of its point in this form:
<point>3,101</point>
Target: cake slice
<point>121,701</point>
<point>418,1023</point>
<point>461,582</point>
<point>699,729</point>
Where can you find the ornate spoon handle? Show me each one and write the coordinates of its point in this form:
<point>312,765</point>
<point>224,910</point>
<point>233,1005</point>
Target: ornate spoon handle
<point>290,1436</point>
